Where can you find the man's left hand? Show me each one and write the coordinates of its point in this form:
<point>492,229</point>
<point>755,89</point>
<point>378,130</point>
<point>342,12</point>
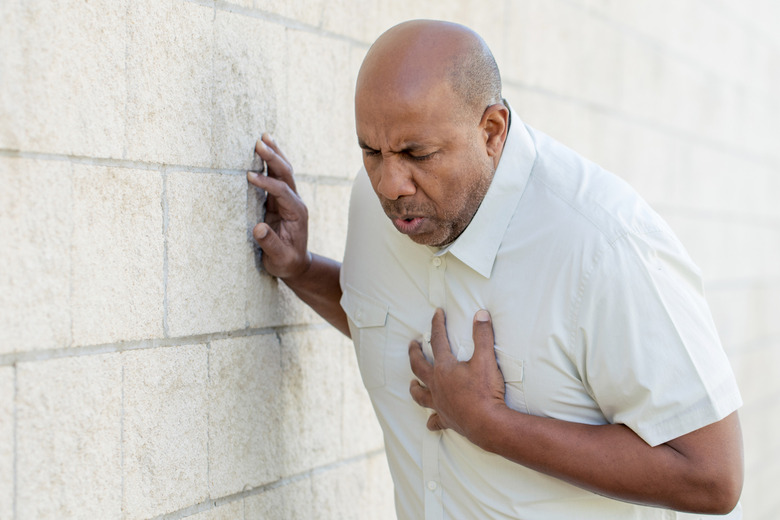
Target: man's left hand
<point>462,394</point>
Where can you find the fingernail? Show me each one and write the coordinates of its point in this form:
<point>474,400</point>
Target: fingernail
<point>482,315</point>
<point>251,173</point>
<point>262,145</point>
<point>262,232</point>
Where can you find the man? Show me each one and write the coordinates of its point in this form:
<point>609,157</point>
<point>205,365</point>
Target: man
<point>590,383</point>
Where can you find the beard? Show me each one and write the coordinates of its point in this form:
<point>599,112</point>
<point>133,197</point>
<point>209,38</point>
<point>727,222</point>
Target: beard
<point>448,218</point>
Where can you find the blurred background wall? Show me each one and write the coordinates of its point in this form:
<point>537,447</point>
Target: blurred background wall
<point>148,369</point>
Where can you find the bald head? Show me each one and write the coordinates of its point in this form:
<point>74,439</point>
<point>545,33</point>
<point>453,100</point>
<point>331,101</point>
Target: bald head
<point>420,56</point>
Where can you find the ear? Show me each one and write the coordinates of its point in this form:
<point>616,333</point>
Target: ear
<point>495,125</point>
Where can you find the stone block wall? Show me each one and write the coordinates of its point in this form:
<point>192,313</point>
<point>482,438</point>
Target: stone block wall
<point>149,369</point>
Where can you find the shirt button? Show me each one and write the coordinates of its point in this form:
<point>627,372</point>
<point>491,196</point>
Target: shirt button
<point>432,485</point>
<point>436,261</point>
<point>359,315</point>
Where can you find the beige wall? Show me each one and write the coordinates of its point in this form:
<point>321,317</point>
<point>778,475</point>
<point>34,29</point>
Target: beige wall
<point>147,367</point>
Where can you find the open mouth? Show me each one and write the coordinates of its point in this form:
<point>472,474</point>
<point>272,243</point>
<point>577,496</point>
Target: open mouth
<point>408,225</point>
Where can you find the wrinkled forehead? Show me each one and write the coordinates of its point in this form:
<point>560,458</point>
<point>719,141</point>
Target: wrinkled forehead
<point>411,112</point>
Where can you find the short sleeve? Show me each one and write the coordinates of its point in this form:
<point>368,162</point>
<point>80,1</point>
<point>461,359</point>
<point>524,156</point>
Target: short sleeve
<point>646,343</point>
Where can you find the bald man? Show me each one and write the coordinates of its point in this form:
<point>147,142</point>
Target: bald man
<point>578,374</point>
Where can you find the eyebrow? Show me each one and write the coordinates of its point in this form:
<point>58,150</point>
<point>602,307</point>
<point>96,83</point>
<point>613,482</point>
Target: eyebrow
<point>411,146</point>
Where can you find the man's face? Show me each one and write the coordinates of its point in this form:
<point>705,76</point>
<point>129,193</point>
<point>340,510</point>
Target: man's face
<point>426,161</point>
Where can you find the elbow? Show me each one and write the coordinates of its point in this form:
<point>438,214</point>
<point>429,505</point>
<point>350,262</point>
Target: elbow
<point>718,496</point>
<point>727,496</point>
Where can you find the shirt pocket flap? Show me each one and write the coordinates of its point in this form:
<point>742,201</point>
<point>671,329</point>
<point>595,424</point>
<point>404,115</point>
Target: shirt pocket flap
<point>364,311</point>
<point>511,368</point>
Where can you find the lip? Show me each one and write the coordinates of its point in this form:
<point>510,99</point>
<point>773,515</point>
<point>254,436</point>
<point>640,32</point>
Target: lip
<point>409,227</point>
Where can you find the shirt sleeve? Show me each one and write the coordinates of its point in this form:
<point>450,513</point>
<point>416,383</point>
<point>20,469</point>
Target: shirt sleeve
<point>650,354</point>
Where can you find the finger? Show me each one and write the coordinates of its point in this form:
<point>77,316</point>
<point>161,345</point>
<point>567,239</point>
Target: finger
<point>269,141</point>
<point>420,394</point>
<point>482,333</point>
<point>420,366</point>
<point>439,342</point>
<point>287,202</point>
<point>268,240</point>
<point>278,166</point>
<point>434,423</point>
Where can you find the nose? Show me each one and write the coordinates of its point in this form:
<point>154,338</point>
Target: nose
<point>395,179</point>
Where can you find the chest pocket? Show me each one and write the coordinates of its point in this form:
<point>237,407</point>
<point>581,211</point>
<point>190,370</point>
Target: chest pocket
<point>514,372</point>
<point>368,326</point>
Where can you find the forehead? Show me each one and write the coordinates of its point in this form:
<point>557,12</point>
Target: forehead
<point>392,116</point>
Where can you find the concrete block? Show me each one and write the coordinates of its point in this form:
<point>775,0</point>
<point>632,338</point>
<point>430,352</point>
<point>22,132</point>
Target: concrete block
<point>245,386</point>
<point>229,511</point>
<point>360,21</point>
<point>745,313</point>
<point>207,252</point>
<point>35,239</point>
<point>328,219</point>
<point>250,84</point>
<point>12,95</point>
<point>117,255</point>
<point>69,438</point>
<point>348,491</point>
<point>292,500</point>
<point>65,69</point>
<point>169,82</point>
<point>311,399</point>
<point>165,430</point>
<point>269,301</point>
<point>308,12</point>
<point>7,442</point>
<point>730,250</point>
<point>317,125</point>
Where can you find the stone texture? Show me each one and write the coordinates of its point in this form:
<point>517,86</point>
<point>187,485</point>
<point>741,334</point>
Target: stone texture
<point>328,219</point>
<point>745,313</point>
<point>269,301</point>
<point>117,254</point>
<point>229,511</point>
<point>245,386</point>
<point>207,252</point>
<point>348,491</point>
<point>68,438</point>
<point>311,399</point>
<point>65,68</point>
<point>317,125</point>
<point>169,82</point>
<point>292,500</point>
<point>35,238</point>
<point>249,86</point>
<point>7,403</point>
<point>165,430</point>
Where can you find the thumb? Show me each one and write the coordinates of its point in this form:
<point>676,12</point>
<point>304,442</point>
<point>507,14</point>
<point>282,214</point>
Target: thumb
<point>483,336</point>
<point>268,240</point>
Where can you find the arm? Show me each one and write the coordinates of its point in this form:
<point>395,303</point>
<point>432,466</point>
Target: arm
<point>283,238</point>
<point>699,472</point>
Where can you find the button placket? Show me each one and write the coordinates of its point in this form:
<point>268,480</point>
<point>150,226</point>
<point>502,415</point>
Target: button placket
<point>436,287</point>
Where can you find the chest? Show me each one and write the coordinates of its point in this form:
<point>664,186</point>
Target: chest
<point>530,309</point>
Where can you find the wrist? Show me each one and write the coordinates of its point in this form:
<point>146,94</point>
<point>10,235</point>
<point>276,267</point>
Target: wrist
<point>488,430</point>
<point>300,274</point>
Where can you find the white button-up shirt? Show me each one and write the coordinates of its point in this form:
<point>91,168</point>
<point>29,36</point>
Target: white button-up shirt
<point>598,313</point>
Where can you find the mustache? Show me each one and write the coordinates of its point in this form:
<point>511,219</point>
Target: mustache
<point>401,208</point>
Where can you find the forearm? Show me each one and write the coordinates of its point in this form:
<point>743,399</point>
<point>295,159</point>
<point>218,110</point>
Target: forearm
<point>612,460</point>
<point>319,288</point>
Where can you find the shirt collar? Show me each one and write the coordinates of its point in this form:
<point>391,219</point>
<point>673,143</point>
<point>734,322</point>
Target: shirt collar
<point>478,245</point>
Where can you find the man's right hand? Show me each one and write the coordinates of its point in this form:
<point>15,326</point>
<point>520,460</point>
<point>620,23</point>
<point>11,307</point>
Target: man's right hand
<point>284,233</point>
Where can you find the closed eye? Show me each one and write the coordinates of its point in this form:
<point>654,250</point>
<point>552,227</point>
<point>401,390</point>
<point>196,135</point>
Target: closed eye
<point>421,158</point>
